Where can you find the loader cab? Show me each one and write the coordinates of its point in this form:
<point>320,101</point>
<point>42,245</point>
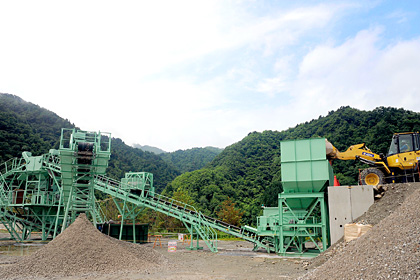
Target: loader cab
<point>404,143</point>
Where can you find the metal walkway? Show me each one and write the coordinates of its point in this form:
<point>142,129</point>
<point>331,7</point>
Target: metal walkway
<point>201,226</point>
<point>45,193</point>
<point>20,225</point>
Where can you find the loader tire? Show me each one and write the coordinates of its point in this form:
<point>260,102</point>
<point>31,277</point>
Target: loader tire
<point>372,176</point>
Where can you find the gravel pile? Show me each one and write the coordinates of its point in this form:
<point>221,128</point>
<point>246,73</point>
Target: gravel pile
<point>394,197</point>
<point>390,250</point>
<point>81,250</point>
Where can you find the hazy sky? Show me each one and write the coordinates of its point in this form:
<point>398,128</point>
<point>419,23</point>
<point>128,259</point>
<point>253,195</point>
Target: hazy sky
<point>182,74</point>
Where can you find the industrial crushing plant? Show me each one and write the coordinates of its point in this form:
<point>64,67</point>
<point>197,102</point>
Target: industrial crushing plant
<point>46,193</point>
<point>300,222</point>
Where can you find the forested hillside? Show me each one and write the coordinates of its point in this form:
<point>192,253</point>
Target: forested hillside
<point>184,160</point>
<point>27,127</point>
<point>125,158</point>
<point>191,159</point>
<point>151,149</point>
<point>249,171</point>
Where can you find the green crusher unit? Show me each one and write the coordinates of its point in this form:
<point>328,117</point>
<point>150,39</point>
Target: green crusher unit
<point>299,225</point>
<point>46,193</point>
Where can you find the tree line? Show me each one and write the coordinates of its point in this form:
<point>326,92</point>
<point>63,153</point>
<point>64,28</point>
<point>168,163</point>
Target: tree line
<point>246,174</point>
<point>249,172</point>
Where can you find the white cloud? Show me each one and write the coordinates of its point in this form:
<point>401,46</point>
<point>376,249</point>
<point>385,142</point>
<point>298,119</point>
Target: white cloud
<point>397,72</point>
<point>357,73</point>
<point>178,74</point>
<point>400,16</point>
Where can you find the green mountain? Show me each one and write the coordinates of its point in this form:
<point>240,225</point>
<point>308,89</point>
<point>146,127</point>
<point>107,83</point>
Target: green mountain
<point>151,149</point>
<point>184,160</point>
<point>125,158</point>
<point>191,159</point>
<point>27,127</point>
<point>249,171</point>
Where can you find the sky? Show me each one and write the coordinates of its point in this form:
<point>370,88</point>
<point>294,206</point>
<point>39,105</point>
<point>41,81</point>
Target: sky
<point>183,74</point>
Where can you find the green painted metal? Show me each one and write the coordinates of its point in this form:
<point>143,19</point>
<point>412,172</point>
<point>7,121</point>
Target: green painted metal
<point>84,155</point>
<point>46,193</point>
<point>304,165</point>
<point>28,196</point>
<point>35,195</point>
<point>297,227</point>
<point>301,217</point>
<point>199,225</point>
<point>305,169</point>
<point>142,182</point>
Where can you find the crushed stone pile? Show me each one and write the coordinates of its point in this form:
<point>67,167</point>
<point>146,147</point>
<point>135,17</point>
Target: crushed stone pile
<point>394,197</point>
<point>82,250</point>
<point>390,250</point>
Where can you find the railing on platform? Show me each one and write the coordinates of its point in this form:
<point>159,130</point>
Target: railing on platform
<point>20,197</point>
<point>206,227</point>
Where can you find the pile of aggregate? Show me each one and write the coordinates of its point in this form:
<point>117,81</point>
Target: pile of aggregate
<point>81,250</point>
<point>394,196</point>
<point>390,250</point>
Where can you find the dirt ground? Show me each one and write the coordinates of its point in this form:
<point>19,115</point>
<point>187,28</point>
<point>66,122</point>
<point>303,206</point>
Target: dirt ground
<point>235,260</point>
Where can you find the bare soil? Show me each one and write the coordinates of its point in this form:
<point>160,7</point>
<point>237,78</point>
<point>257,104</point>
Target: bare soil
<point>82,252</point>
<point>235,260</point>
<point>391,249</point>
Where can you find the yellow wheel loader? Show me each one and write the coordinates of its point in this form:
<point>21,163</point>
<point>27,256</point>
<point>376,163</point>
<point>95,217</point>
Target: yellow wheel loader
<point>401,164</point>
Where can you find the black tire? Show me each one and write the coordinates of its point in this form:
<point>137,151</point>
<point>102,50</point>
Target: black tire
<point>372,176</point>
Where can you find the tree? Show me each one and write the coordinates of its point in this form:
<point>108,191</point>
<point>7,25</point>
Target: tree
<point>229,214</point>
<point>160,221</point>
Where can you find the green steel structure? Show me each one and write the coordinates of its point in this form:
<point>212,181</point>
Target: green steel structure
<point>199,226</point>
<point>299,225</point>
<point>46,193</point>
<point>83,155</point>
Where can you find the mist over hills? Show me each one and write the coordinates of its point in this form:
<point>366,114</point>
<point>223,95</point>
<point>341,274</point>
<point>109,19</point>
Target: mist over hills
<point>148,148</point>
<point>184,160</point>
<point>191,159</point>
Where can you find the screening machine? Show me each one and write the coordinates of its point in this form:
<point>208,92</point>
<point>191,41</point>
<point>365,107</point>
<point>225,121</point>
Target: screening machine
<point>46,193</point>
